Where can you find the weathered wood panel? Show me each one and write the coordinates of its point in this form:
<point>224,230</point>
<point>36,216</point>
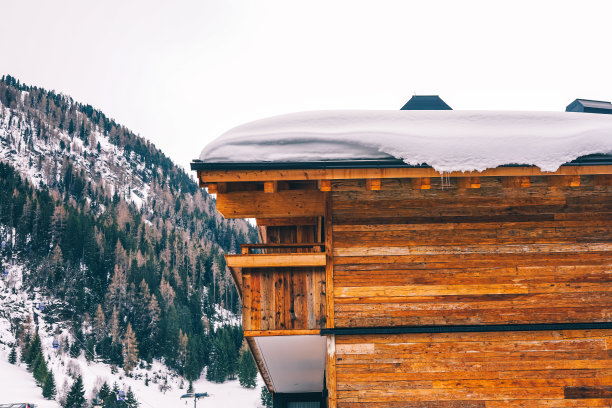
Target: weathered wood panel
<point>491,255</point>
<point>284,298</point>
<point>489,370</point>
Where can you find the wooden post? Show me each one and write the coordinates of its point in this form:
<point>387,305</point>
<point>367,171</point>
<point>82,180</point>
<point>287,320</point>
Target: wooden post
<point>330,371</point>
<point>373,184</point>
<point>270,186</point>
<point>422,183</point>
<point>324,185</point>
<point>516,182</point>
<point>329,262</point>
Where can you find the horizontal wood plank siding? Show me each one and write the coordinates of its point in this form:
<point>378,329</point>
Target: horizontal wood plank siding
<point>493,255</point>
<point>488,370</point>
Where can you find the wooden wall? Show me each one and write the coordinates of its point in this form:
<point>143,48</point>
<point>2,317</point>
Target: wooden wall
<point>492,255</point>
<point>286,298</point>
<point>475,370</point>
<point>459,256</point>
<point>283,298</point>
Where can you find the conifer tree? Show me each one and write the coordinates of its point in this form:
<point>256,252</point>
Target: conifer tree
<point>33,349</point>
<point>104,392</point>
<point>130,399</point>
<point>190,387</point>
<point>266,397</point>
<point>13,356</point>
<point>49,389</point>
<point>247,371</point>
<point>76,395</point>
<point>99,324</point>
<point>41,371</point>
<point>130,349</point>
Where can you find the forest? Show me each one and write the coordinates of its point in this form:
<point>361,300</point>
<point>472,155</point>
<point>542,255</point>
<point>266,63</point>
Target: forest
<point>136,276</point>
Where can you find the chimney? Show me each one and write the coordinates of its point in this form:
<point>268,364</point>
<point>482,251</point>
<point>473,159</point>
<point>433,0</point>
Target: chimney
<point>590,106</point>
<point>426,102</point>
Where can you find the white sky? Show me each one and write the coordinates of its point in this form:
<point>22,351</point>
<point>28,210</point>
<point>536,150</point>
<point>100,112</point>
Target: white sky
<point>182,72</point>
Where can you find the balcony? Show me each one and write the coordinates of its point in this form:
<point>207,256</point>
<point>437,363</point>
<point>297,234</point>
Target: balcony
<point>278,256</point>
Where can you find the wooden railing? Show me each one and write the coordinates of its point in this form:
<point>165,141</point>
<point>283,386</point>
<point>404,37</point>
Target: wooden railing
<point>247,249</point>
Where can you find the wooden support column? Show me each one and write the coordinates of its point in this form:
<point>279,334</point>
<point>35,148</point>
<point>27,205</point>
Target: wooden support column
<point>373,184</point>
<point>329,262</point>
<point>422,183</point>
<point>330,371</point>
<point>468,182</point>
<point>516,182</point>
<point>270,186</point>
<point>563,181</point>
<point>324,185</point>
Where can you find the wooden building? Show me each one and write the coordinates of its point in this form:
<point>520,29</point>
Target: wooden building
<point>381,284</point>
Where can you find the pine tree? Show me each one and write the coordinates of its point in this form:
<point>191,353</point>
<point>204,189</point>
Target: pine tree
<point>190,388</point>
<point>104,392</point>
<point>49,389</point>
<point>41,371</point>
<point>13,356</point>
<point>99,324</point>
<point>35,363</point>
<point>130,399</point>
<point>33,350</point>
<point>247,371</point>
<point>266,397</point>
<point>130,349</point>
<point>76,395</point>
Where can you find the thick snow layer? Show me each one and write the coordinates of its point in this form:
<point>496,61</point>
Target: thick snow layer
<point>446,140</point>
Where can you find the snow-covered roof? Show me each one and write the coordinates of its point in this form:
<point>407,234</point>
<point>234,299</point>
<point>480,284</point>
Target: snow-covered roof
<point>446,140</point>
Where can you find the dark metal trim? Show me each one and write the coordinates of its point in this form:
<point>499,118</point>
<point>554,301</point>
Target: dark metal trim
<point>589,160</point>
<point>468,328</point>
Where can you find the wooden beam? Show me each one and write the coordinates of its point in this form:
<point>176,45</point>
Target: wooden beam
<point>373,184</point>
<point>257,204</point>
<point>287,221</point>
<point>212,176</point>
<point>275,260</point>
<point>324,185</point>
<point>563,181</point>
<point>516,182</point>
<point>270,186</point>
<point>261,366</point>
<point>421,183</point>
<point>267,333</point>
<point>468,182</point>
<point>237,276</point>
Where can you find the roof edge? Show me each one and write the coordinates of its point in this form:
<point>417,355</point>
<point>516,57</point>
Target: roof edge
<point>199,165</point>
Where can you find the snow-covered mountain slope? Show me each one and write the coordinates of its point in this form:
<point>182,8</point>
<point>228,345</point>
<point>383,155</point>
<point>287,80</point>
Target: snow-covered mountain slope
<point>114,238</point>
<point>154,386</point>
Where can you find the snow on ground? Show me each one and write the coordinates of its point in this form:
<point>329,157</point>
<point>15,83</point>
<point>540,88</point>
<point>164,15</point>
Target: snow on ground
<point>164,386</point>
<point>18,385</point>
<point>110,164</point>
<point>446,140</point>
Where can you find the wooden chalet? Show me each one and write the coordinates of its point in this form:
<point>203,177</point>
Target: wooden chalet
<point>381,284</point>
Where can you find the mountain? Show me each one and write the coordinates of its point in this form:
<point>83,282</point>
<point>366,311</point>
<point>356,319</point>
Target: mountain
<point>115,245</point>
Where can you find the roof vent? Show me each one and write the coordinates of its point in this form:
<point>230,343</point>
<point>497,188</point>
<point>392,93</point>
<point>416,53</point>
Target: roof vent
<point>426,102</point>
<point>590,106</point>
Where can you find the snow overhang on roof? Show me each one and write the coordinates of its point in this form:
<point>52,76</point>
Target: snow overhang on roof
<point>445,140</point>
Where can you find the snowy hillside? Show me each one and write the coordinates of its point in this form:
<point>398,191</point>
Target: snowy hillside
<point>123,251</point>
<point>164,386</point>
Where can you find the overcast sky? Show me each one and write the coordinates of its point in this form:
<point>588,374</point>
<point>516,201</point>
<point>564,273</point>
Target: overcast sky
<point>182,72</point>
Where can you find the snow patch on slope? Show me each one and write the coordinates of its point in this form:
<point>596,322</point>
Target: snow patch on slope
<point>446,140</point>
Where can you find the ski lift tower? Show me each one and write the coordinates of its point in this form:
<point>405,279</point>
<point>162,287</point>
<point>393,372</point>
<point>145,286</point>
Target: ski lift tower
<point>196,396</point>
